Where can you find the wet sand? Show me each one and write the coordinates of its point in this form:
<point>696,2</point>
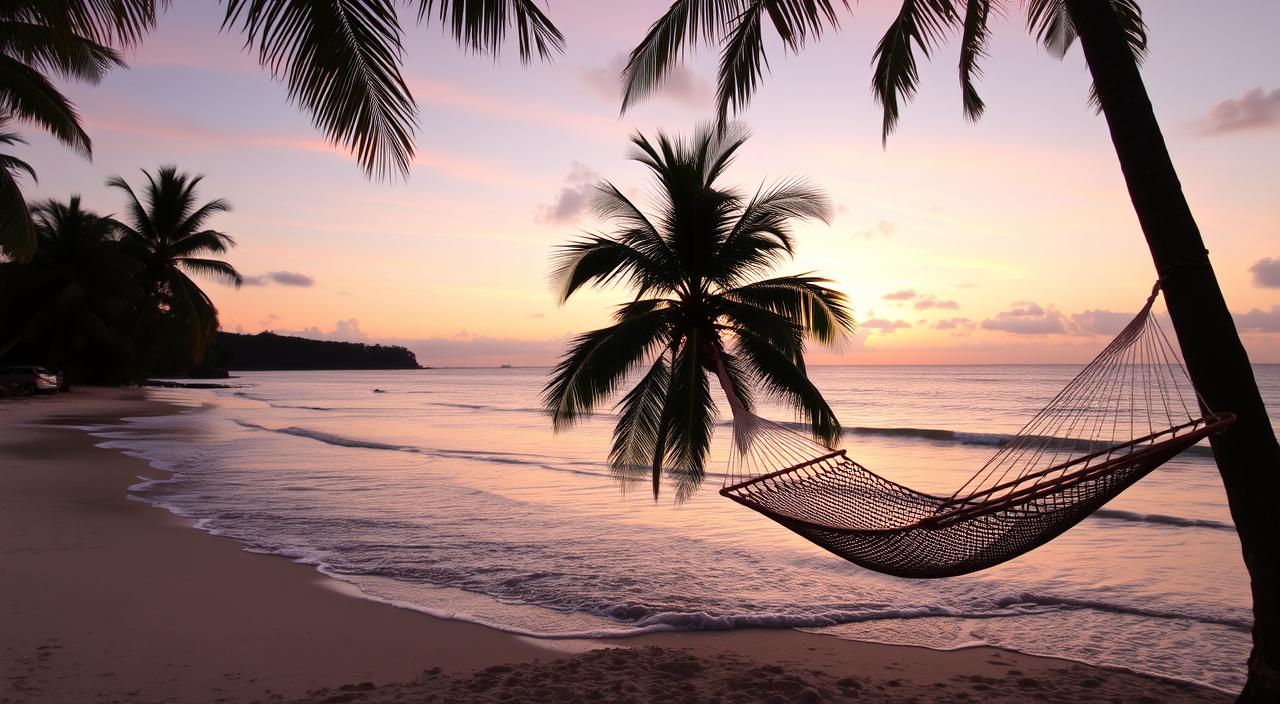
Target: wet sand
<point>106,599</point>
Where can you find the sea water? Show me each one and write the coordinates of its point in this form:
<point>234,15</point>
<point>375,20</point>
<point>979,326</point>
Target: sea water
<point>448,492</point>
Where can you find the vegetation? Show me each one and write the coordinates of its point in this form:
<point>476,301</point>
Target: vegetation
<point>700,309</point>
<point>39,39</point>
<point>167,236</point>
<point>269,351</point>
<point>340,60</point>
<point>110,302</point>
<point>1114,39</point>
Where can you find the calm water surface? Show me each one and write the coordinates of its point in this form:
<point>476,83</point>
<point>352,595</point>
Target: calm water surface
<point>450,494</point>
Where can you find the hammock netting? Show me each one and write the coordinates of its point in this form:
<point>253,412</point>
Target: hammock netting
<point>1129,411</point>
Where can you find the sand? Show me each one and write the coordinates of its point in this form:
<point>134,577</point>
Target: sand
<point>106,599</point>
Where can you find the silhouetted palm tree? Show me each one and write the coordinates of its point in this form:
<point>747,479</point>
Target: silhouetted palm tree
<point>39,39</point>
<point>168,236</point>
<point>700,310</point>
<point>1113,35</point>
<point>69,301</point>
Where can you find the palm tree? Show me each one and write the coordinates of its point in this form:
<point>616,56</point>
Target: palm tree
<point>699,311</point>
<point>37,39</point>
<point>68,302</point>
<point>1113,35</point>
<point>169,238</point>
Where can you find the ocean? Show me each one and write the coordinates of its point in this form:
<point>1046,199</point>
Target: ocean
<point>449,493</point>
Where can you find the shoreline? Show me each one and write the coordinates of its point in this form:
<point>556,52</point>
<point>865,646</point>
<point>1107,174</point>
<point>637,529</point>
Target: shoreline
<point>109,597</point>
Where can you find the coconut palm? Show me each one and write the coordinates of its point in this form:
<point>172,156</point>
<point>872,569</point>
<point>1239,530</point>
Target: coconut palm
<point>39,39</point>
<point>68,302</point>
<point>168,236</point>
<point>1113,36</point>
<point>700,309</point>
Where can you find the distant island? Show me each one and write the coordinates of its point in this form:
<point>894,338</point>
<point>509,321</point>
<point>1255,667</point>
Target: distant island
<point>267,351</point>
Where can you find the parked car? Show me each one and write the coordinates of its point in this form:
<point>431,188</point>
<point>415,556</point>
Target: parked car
<point>25,379</point>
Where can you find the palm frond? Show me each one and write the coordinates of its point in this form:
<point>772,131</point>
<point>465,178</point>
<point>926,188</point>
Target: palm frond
<point>919,26</point>
<point>482,25</point>
<point>596,363</point>
<point>341,62</point>
<point>599,261</point>
<point>784,334</point>
<point>635,436</point>
<point>686,22</point>
<point>761,236</point>
<point>17,232</point>
<point>780,377</point>
<point>973,49</point>
<point>27,95</point>
<point>211,267</point>
<point>46,49</point>
<point>141,228</point>
<point>638,230</point>
<point>203,242</point>
<point>743,59</point>
<point>688,418</point>
<point>821,312</point>
<point>107,22</point>
<point>198,216</point>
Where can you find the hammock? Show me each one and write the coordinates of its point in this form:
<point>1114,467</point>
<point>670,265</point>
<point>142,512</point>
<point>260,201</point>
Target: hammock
<point>1128,412</point>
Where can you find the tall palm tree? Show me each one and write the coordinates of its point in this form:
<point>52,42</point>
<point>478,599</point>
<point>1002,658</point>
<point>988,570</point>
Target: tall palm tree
<point>69,301</point>
<point>168,236</point>
<point>699,311</point>
<point>40,38</point>
<point>1113,35</point>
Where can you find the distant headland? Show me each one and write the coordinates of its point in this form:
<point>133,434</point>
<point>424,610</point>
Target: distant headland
<point>267,351</point>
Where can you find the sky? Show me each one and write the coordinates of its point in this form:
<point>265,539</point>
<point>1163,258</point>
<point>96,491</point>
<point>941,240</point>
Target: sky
<point>1011,240</point>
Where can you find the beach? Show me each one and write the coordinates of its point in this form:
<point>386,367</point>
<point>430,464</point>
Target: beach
<point>110,599</point>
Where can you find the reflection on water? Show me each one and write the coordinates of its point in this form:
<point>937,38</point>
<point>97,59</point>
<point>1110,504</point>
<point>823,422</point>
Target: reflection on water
<point>451,494</point>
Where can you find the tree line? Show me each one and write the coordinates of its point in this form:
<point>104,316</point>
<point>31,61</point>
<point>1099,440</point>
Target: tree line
<point>109,300</point>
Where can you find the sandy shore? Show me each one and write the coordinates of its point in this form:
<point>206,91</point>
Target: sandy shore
<point>105,599</point>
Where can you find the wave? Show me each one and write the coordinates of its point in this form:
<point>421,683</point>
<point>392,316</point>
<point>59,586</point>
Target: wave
<point>1063,602</point>
<point>495,457</point>
<point>1162,519</point>
<point>975,438</point>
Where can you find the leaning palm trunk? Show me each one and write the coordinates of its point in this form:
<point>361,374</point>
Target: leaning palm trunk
<point>1247,454</point>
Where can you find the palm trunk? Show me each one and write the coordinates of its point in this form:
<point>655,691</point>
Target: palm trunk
<point>1247,454</point>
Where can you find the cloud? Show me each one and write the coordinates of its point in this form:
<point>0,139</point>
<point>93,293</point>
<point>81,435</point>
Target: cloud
<point>343,330</point>
<point>1266,273</point>
<point>905,294</point>
<point>574,197</point>
<point>884,326</point>
<point>681,86</point>
<point>930,302</point>
<point>1027,318</point>
<point>283,278</point>
<point>883,228</point>
<point>1254,110</point>
<point>1258,320</point>
<point>954,324</point>
<point>1098,322</point>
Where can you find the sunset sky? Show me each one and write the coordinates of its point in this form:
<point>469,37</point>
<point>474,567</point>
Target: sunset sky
<point>1010,240</point>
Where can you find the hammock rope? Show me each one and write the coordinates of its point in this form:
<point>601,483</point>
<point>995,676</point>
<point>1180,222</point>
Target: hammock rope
<point>1130,410</point>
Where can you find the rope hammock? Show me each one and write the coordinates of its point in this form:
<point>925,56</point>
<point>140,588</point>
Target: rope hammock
<point>1132,409</point>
